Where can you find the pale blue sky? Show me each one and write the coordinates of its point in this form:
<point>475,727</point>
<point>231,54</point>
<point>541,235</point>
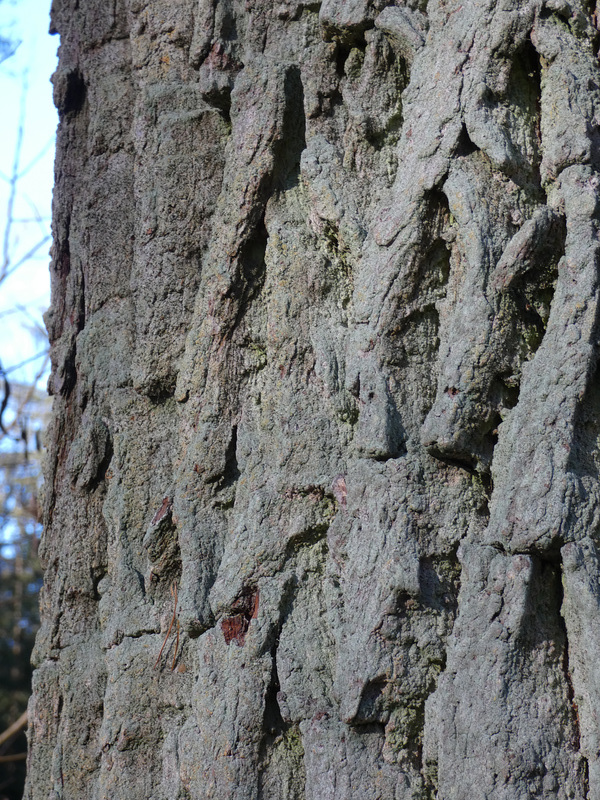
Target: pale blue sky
<point>25,295</point>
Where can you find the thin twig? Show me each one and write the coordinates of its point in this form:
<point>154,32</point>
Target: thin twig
<point>29,254</point>
<point>16,757</point>
<point>14,728</point>
<point>30,391</point>
<point>41,221</point>
<point>37,157</point>
<point>6,312</point>
<point>38,302</point>
<point>34,323</point>
<point>14,178</point>
<point>27,360</point>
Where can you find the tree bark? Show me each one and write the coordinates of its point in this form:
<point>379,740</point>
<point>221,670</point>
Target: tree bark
<point>322,506</point>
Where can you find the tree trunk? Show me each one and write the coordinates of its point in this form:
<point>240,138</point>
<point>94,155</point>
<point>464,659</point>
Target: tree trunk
<point>322,507</point>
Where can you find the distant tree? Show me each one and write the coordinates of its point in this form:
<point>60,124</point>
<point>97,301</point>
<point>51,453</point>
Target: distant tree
<point>23,410</point>
<point>20,574</point>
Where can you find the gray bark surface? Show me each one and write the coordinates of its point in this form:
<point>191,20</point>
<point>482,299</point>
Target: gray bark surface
<point>327,415</point>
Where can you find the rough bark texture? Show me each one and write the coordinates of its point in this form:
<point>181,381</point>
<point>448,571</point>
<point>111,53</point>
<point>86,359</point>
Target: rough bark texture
<point>327,415</point>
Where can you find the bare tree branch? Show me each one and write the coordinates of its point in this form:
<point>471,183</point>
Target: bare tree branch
<point>28,361</point>
<point>15,757</point>
<point>29,254</point>
<point>6,246</point>
<point>14,728</point>
<point>36,158</point>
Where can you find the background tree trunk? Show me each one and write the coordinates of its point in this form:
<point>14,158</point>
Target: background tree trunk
<point>324,335</point>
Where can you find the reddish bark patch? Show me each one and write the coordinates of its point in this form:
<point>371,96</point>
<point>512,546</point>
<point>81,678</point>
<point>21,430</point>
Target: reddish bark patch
<point>340,491</point>
<point>247,603</point>
<point>218,59</point>
<point>167,505</point>
<point>235,627</point>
